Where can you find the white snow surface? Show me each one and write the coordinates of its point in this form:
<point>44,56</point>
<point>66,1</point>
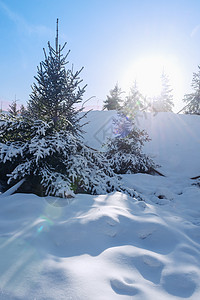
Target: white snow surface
<point>111,246</point>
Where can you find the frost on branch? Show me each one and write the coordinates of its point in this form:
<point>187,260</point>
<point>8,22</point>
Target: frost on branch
<point>53,162</point>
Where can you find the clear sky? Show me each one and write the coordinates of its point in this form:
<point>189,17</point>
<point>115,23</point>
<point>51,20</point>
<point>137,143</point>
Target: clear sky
<point>115,41</point>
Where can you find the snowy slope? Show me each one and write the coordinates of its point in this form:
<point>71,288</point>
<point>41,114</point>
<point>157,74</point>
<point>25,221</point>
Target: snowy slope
<point>103,247</point>
<point>175,143</point>
<point>111,246</point>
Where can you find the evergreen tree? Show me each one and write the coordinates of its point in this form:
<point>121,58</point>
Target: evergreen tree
<point>22,110</point>
<point>193,99</point>
<point>114,99</point>
<point>13,108</point>
<point>134,102</point>
<point>57,91</point>
<point>124,151</point>
<point>52,162</point>
<point>163,102</point>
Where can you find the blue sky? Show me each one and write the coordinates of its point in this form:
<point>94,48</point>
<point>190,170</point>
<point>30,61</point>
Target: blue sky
<point>115,41</point>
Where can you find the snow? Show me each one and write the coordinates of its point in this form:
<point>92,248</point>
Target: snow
<point>111,246</point>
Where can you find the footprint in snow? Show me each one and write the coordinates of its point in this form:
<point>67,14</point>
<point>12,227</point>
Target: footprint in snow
<point>125,287</point>
<point>149,267</point>
<point>110,228</point>
<point>179,284</point>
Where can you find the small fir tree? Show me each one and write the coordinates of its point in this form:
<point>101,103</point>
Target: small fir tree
<point>193,99</point>
<point>134,102</point>
<point>163,102</point>
<point>13,108</point>
<point>114,99</point>
<point>124,151</point>
<point>22,110</point>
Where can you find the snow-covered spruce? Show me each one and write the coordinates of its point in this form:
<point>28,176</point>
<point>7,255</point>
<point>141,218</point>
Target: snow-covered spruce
<point>163,102</point>
<point>134,102</point>
<point>193,99</point>
<point>53,162</point>
<point>113,100</point>
<point>124,152</point>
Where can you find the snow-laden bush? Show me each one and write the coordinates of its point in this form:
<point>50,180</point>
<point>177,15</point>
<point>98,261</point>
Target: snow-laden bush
<point>53,162</point>
<point>124,151</point>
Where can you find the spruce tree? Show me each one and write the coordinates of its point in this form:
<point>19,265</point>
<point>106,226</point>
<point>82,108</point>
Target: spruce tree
<point>134,102</point>
<point>164,101</point>
<point>114,99</point>
<point>22,110</point>
<point>124,151</point>
<point>57,90</point>
<point>193,99</point>
<point>13,108</point>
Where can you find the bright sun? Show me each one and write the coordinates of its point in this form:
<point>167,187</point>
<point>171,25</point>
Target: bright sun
<point>147,73</point>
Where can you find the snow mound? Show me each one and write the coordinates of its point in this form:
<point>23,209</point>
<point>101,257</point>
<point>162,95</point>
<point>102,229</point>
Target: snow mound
<point>103,247</point>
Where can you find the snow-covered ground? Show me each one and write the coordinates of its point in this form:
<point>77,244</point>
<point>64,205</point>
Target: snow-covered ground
<point>111,246</point>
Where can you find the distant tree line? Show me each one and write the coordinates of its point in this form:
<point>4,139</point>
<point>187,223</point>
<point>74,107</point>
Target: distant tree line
<point>136,101</point>
<point>164,102</point>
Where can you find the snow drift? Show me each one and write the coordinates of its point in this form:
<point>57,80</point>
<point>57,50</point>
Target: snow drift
<point>103,247</point>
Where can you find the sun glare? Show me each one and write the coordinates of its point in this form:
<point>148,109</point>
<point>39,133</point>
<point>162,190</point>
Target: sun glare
<point>147,72</point>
